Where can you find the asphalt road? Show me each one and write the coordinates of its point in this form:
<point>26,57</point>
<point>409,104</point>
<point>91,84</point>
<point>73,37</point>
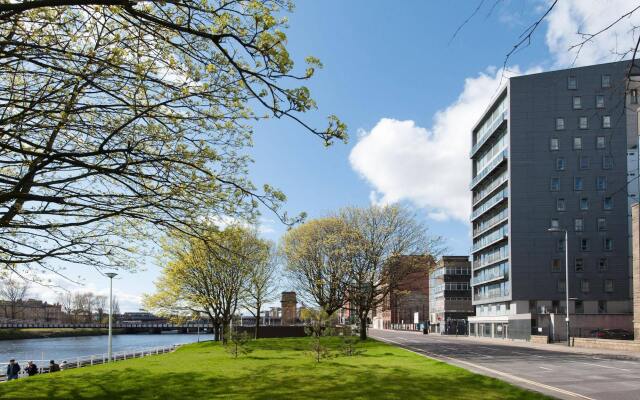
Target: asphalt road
<point>561,374</point>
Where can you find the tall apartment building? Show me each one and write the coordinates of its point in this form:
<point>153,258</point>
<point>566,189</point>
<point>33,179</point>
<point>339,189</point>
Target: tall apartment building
<point>555,149</point>
<point>450,295</point>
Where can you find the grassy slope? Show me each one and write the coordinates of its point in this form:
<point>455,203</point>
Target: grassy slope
<point>278,368</point>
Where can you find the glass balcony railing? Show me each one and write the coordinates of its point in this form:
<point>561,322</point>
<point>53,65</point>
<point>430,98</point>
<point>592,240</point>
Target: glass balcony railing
<point>491,129</point>
<point>489,204</point>
<point>502,156</point>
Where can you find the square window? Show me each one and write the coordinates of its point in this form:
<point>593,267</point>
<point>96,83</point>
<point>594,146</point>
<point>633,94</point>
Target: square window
<point>607,203</point>
<point>584,203</point>
<point>603,264</point>
<point>556,265</point>
<point>608,285</point>
<point>572,83</point>
<point>602,224</point>
<point>583,123</point>
<point>584,244</point>
<point>600,143</point>
<point>583,162</point>
<point>584,286</point>
<point>577,143</point>
<point>607,162</point>
<point>601,183</point>
<point>578,184</point>
<point>579,265</point>
<point>554,223</point>
<point>577,102</point>
<point>561,205</point>
<point>559,124</point>
<point>560,285</point>
<point>599,101</point>
<point>607,244</point>
<point>555,184</point>
<point>606,81</point>
<point>578,224</point>
<point>633,96</point>
<point>554,144</point>
<point>606,121</point>
<point>560,245</point>
<point>560,164</point>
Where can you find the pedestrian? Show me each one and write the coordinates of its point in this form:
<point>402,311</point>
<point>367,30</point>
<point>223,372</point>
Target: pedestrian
<point>53,367</point>
<point>32,369</point>
<point>63,365</point>
<point>13,369</point>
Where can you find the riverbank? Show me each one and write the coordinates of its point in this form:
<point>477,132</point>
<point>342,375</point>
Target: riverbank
<point>275,369</point>
<point>29,333</point>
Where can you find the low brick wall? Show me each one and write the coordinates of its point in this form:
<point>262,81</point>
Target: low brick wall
<point>610,344</point>
<point>544,339</point>
<point>273,331</point>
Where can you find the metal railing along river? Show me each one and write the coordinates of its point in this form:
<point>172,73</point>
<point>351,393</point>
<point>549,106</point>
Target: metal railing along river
<point>85,361</point>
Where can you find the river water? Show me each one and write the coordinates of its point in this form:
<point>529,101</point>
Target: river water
<point>68,348</point>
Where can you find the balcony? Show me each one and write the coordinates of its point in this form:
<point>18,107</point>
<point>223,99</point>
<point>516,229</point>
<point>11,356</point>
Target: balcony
<point>491,239</point>
<point>489,204</point>
<point>490,189</point>
<point>492,129</point>
<point>489,278</point>
<point>494,221</point>
<point>491,261</point>
<point>502,156</point>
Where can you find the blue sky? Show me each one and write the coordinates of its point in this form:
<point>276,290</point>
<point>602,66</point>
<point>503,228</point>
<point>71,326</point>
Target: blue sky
<point>409,96</point>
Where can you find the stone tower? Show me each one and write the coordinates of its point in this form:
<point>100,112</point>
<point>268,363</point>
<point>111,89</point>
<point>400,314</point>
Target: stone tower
<point>288,303</point>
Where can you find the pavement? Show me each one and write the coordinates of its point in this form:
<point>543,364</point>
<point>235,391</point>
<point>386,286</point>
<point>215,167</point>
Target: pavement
<point>564,373</point>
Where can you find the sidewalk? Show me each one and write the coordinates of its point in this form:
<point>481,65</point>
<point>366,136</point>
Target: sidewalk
<point>557,347</point>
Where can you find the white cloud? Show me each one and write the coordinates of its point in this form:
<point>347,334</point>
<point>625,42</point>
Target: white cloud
<point>569,18</point>
<point>429,167</point>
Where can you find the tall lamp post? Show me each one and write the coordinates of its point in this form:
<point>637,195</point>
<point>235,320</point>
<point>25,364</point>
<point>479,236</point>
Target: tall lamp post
<point>110,275</point>
<point>566,279</point>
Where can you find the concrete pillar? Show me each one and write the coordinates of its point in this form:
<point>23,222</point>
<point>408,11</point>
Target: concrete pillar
<point>635,244</point>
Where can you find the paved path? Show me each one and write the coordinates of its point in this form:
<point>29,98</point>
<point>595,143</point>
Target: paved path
<point>562,374</point>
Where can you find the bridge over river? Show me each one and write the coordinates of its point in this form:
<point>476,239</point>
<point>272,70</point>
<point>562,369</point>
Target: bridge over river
<point>127,326</point>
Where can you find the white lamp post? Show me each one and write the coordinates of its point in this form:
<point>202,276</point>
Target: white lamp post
<point>566,279</point>
<point>110,275</point>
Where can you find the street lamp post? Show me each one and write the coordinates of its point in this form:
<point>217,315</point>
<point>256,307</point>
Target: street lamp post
<point>110,275</point>
<point>566,279</point>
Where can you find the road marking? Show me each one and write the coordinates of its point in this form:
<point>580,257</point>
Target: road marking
<point>480,367</point>
<point>545,368</point>
<point>602,366</point>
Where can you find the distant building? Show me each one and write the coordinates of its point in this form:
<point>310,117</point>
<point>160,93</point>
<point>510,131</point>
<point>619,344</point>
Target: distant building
<point>289,308</point>
<point>31,310</point>
<point>139,316</point>
<point>406,307</point>
<point>450,295</point>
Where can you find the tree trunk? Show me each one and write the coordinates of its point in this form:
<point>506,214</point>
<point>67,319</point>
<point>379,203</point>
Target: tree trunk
<point>363,327</point>
<point>257,332</point>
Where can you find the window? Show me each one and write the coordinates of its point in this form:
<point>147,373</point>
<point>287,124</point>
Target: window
<point>602,224</point>
<point>578,183</point>
<point>577,102</point>
<point>607,162</point>
<point>560,245</point>
<point>554,223</point>
<point>556,265</point>
<point>601,183</point>
<point>583,162</point>
<point>603,264</point>
<point>584,286</point>
<point>583,123</point>
<point>559,124</point>
<point>561,286</point>
<point>555,184</point>
<point>607,244</point>
<point>572,83</point>
<point>579,265</point>
<point>579,307</point>
<point>633,96</point>
<point>607,203</point>
<point>578,224</point>
<point>584,204</point>
<point>577,143</point>
<point>599,101</point>
<point>584,244</point>
<point>602,306</point>
<point>553,144</point>
<point>608,285</point>
<point>606,121</point>
<point>606,81</point>
<point>561,205</point>
<point>560,164</point>
<point>600,143</point>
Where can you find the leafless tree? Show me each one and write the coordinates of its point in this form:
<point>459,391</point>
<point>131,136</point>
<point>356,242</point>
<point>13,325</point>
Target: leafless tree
<point>261,284</point>
<point>13,290</point>
<point>99,305</point>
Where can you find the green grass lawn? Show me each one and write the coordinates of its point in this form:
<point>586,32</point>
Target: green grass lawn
<point>276,369</point>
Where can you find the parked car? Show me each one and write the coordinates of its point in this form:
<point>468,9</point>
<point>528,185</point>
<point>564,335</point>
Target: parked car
<point>619,334</point>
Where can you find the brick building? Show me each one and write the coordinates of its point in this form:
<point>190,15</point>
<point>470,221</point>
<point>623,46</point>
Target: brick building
<point>32,310</point>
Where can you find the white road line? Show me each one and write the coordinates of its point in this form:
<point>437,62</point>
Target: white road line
<point>493,371</point>
<point>545,368</point>
<point>602,366</point>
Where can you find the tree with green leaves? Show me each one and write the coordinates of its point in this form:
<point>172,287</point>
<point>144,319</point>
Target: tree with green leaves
<point>123,120</point>
<point>206,276</point>
<point>261,284</point>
